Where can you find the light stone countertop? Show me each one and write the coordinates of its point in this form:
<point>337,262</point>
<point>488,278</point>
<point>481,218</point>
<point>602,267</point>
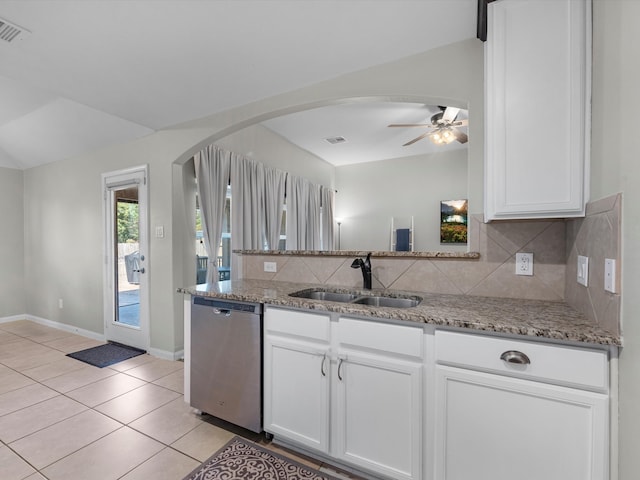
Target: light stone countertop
<point>536,318</point>
<point>362,253</point>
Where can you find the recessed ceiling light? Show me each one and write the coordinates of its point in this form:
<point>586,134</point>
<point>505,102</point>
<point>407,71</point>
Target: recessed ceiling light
<point>335,140</point>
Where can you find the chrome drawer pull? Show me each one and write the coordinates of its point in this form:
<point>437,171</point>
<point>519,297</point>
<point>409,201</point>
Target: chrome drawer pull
<point>514,356</point>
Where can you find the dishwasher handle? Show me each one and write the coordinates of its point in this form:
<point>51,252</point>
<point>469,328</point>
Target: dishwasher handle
<point>222,311</point>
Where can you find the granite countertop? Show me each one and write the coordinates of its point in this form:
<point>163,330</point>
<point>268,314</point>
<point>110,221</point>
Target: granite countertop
<point>551,320</point>
<point>362,253</point>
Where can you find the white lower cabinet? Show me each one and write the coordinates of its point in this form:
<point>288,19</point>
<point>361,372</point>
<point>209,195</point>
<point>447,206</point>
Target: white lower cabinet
<point>378,419</point>
<point>373,374</point>
<point>296,377</point>
<point>498,427</point>
<point>298,394</point>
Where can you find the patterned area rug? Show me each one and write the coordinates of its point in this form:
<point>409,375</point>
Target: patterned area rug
<point>241,459</point>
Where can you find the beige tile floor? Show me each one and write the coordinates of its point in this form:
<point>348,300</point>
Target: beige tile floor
<point>63,419</point>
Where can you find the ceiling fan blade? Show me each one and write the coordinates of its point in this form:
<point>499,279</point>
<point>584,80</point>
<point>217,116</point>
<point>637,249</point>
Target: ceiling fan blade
<point>450,114</point>
<point>411,125</point>
<point>460,136</point>
<point>416,139</point>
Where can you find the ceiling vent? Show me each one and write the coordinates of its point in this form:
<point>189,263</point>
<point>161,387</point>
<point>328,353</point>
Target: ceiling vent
<point>10,32</point>
<point>335,140</point>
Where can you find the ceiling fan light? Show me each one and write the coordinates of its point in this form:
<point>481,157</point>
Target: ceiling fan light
<point>436,138</point>
<point>442,136</point>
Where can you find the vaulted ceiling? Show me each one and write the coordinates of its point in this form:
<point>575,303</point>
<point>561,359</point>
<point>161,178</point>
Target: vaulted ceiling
<point>83,75</point>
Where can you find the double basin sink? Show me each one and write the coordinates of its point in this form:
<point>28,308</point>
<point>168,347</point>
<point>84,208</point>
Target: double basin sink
<point>358,298</point>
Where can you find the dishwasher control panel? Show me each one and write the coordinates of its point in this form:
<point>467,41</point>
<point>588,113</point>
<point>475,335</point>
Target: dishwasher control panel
<point>228,305</point>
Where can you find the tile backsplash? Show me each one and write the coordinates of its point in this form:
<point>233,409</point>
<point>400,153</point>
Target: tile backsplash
<point>492,275</point>
<point>555,245</point>
<point>598,237</point>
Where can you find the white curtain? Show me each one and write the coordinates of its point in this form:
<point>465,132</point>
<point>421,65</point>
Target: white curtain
<point>314,219</point>
<point>303,214</point>
<point>297,203</point>
<point>257,199</point>
<point>275,181</point>
<point>328,223</point>
<point>247,204</point>
<point>212,172</point>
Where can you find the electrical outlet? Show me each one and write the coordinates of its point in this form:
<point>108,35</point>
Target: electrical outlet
<point>60,303</point>
<point>610,275</point>
<point>270,267</point>
<point>524,263</point>
<point>583,270</point>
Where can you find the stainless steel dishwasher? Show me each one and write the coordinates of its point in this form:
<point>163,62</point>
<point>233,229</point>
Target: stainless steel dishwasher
<point>226,360</point>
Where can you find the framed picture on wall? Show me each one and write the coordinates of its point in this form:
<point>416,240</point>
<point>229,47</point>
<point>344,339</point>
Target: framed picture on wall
<point>453,221</point>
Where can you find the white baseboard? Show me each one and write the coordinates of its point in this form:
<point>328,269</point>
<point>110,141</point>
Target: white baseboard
<point>13,318</point>
<point>166,355</point>
<point>156,352</point>
<point>67,328</point>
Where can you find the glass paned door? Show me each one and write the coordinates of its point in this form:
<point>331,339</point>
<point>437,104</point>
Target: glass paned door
<point>127,262</point>
<point>126,305</point>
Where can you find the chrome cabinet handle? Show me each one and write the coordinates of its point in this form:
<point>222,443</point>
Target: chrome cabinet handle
<point>222,311</point>
<point>324,359</point>
<point>514,356</point>
<point>340,368</point>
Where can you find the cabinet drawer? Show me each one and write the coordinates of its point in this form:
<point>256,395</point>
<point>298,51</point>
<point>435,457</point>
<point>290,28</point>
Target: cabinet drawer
<point>296,323</point>
<point>560,364</point>
<point>383,337</point>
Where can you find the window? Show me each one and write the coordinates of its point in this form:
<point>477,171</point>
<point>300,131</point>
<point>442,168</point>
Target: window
<point>223,255</point>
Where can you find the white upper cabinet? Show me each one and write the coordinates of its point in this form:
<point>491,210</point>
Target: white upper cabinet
<point>537,108</point>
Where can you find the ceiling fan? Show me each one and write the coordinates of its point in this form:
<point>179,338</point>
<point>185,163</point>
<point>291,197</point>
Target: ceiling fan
<point>442,129</point>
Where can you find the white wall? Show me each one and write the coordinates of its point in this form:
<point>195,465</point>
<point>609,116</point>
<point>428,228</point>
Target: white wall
<point>369,194</point>
<point>63,209</point>
<point>12,286</point>
<point>615,168</point>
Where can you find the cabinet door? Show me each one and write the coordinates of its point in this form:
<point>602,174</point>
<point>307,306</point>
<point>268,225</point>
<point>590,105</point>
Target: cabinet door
<point>379,414</point>
<point>537,108</point>
<point>500,428</point>
<point>296,392</point>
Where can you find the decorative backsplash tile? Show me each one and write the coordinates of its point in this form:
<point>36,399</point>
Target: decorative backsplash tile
<point>555,245</point>
<point>491,275</point>
<point>596,236</point>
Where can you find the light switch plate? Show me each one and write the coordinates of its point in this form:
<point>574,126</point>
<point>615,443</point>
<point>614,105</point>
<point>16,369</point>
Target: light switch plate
<point>610,275</point>
<point>583,270</point>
